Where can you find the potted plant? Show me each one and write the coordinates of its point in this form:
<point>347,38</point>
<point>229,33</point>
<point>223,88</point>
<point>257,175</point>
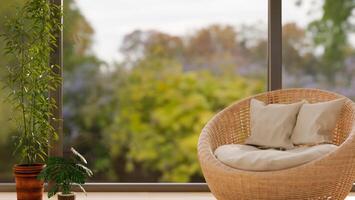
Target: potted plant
<point>64,173</point>
<point>29,38</point>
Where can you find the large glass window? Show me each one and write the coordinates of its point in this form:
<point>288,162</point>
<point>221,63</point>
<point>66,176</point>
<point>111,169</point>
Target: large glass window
<point>142,78</point>
<point>319,45</point>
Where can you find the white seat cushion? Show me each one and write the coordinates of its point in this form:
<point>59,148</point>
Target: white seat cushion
<point>246,157</point>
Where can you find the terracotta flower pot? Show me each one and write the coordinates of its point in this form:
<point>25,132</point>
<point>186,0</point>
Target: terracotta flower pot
<point>28,187</point>
<point>66,196</point>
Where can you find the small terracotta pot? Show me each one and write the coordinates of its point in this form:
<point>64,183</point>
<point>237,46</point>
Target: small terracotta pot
<point>28,187</point>
<point>66,196</point>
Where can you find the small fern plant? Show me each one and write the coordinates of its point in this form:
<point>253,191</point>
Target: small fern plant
<point>64,173</point>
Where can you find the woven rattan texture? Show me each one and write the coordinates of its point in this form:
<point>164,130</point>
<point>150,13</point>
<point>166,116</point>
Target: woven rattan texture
<point>328,177</point>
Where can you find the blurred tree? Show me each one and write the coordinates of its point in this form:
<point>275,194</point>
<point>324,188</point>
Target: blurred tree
<point>298,51</point>
<point>140,44</point>
<point>78,35</point>
<point>331,32</point>
<point>215,48</point>
<point>211,41</point>
<point>84,91</point>
<point>161,104</point>
<point>160,112</point>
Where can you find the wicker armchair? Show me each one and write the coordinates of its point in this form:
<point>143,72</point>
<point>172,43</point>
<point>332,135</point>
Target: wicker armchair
<point>328,177</point>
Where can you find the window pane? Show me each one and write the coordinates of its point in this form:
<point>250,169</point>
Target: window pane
<point>318,45</point>
<point>7,160</point>
<point>141,80</point>
<point>8,130</point>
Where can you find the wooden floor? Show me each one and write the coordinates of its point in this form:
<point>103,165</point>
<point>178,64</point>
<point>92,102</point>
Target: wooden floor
<point>130,196</point>
<point>140,196</point>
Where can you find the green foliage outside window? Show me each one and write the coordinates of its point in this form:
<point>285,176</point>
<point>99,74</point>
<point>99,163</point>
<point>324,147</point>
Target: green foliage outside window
<point>161,112</point>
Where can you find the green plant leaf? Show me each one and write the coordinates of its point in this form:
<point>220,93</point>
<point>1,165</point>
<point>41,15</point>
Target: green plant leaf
<point>77,154</point>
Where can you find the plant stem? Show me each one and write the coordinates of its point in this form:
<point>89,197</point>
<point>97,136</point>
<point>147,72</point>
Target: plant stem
<point>22,85</point>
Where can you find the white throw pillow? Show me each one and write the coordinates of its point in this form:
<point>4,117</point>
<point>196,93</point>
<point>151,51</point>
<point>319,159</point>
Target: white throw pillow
<point>315,122</point>
<point>272,125</point>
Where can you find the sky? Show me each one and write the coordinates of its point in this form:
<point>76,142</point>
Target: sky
<point>112,19</point>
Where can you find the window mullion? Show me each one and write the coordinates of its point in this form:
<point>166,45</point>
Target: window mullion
<point>275,45</point>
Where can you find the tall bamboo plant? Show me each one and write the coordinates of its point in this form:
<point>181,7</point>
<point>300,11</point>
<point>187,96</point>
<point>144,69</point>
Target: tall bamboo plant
<point>30,39</point>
